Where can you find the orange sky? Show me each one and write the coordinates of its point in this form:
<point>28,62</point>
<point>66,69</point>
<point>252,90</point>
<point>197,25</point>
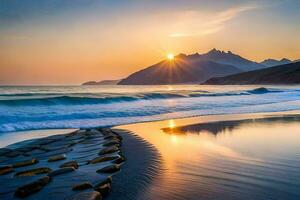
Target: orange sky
<point>77,45</point>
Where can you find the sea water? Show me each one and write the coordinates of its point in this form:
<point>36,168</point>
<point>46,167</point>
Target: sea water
<point>48,107</point>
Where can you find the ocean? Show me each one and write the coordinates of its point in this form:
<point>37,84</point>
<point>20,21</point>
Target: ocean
<point>54,107</point>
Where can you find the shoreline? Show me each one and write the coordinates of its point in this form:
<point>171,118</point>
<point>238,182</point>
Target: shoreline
<point>75,165</point>
<point>144,162</point>
<point>225,157</point>
<point>206,118</point>
<point>142,167</point>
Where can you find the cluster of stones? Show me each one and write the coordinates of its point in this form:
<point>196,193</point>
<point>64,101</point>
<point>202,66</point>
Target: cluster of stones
<point>77,165</point>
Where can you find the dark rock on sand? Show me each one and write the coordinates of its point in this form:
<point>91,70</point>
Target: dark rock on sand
<point>64,185</point>
<point>107,180</point>
<point>4,151</point>
<point>61,171</point>
<point>92,195</point>
<point>33,187</point>
<point>13,154</point>
<point>32,172</point>
<point>109,169</point>
<point>120,160</point>
<point>103,189</point>
<point>108,150</point>
<point>102,159</point>
<point>6,169</point>
<point>82,186</point>
<point>56,158</point>
<point>111,137</point>
<point>44,141</point>
<point>70,164</point>
<point>111,143</point>
<point>25,163</point>
<point>54,148</point>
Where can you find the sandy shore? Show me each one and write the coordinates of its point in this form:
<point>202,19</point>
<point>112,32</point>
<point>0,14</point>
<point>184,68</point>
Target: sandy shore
<point>74,165</point>
<point>201,157</point>
<point>142,167</point>
<point>78,165</point>
<point>245,156</point>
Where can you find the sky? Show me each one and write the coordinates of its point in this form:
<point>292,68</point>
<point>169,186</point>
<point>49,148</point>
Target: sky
<point>72,41</point>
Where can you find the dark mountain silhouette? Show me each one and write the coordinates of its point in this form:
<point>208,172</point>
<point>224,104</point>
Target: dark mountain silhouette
<point>273,62</point>
<point>181,70</point>
<point>283,74</point>
<point>193,68</point>
<point>104,82</point>
<point>229,58</point>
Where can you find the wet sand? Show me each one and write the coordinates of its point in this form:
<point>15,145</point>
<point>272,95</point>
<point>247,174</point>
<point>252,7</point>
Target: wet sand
<point>112,163</point>
<point>247,156</point>
<point>76,165</point>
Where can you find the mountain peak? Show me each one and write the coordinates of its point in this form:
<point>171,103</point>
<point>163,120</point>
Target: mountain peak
<point>214,51</point>
<point>274,62</point>
<point>285,60</point>
<point>181,55</point>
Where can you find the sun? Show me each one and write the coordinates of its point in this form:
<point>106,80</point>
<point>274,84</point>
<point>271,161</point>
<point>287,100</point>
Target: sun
<point>170,56</point>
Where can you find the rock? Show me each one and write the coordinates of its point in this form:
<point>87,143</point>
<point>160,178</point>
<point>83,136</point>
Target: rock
<point>25,163</point>
<point>103,189</point>
<point>94,131</point>
<point>82,186</point>
<point>108,150</point>
<point>56,137</point>
<point>111,137</point>
<point>33,172</point>
<point>4,151</point>
<point>56,158</point>
<point>107,180</point>
<point>61,171</point>
<point>54,148</point>
<point>6,169</point>
<point>70,164</point>
<point>91,195</point>
<point>119,160</point>
<point>44,141</point>
<point>109,169</point>
<point>118,136</point>
<point>45,151</point>
<point>13,154</point>
<point>74,143</point>
<point>33,187</point>
<point>102,159</point>
<point>24,149</point>
<point>112,142</point>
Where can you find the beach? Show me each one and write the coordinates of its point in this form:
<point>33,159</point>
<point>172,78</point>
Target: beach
<point>247,156</point>
<point>242,156</point>
<point>150,100</point>
<point>175,142</point>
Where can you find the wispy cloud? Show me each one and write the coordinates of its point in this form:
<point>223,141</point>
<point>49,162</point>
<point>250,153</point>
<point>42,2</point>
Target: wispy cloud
<point>195,23</point>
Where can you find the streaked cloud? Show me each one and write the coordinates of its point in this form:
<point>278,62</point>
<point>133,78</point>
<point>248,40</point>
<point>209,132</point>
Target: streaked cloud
<point>195,23</point>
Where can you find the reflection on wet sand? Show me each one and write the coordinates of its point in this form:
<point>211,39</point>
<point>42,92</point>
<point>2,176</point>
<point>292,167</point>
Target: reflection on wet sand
<point>256,157</point>
<point>223,126</point>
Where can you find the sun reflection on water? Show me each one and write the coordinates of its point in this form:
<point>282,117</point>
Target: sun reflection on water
<point>208,160</point>
<point>172,123</point>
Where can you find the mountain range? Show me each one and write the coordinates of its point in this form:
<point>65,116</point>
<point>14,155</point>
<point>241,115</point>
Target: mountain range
<point>103,82</point>
<point>183,71</point>
<point>282,74</point>
<point>193,69</point>
<point>273,62</point>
